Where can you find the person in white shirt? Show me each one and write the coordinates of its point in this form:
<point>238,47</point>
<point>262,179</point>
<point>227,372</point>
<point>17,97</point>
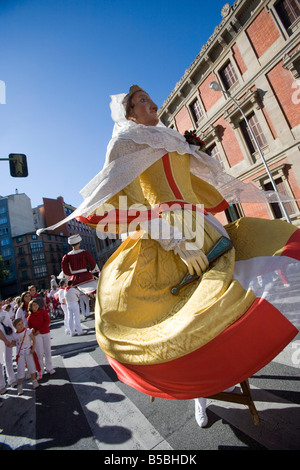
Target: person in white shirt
<point>84,302</point>
<point>3,344</point>
<point>72,299</point>
<point>63,304</point>
<point>24,340</point>
<point>5,325</point>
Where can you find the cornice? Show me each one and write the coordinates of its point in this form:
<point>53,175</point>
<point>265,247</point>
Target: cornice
<point>227,13</point>
<point>229,23</point>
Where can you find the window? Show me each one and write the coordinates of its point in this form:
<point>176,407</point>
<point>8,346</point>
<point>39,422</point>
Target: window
<point>213,151</point>
<point>4,242</point>
<point>257,131</point>
<point>276,208</point>
<point>288,11</point>
<point>196,110</point>
<point>3,220</point>
<point>38,258</point>
<point>6,252</point>
<point>40,271</point>
<point>228,75</point>
<point>34,236</point>
<point>36,246</point>
<point>233,212</point>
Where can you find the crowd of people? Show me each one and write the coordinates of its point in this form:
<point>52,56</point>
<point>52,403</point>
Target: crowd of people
<point>25,328</point>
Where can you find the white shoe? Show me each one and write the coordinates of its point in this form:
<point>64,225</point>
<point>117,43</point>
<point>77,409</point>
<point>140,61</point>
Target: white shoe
<point>200,412</point>
<point>20,389</point>
<point>230,389</point>
<point>84,332</point>
<point>35,384</point>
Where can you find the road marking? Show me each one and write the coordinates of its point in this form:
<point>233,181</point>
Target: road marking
<point>279,427</point>
<point>115,421</point>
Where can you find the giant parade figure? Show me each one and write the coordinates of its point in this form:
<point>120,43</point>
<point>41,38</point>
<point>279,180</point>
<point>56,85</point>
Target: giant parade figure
<point>186,307</point>
<point>79,267</point>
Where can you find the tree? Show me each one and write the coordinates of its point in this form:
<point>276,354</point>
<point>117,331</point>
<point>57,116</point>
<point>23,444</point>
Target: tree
<point>3,271</point>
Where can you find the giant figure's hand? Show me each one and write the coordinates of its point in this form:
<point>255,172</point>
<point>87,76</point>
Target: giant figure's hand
<point>195,260</point>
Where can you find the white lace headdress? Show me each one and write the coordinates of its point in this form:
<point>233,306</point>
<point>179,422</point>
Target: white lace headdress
<point>134,147</point>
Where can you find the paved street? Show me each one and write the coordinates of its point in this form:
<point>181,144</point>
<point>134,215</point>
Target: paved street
<point>83,406</point>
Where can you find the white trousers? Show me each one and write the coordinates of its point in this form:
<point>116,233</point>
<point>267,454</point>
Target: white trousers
<point>2,351</point>
<point>84,305</point>
<point>74,317</point>
<point>2,380</point>
<point>66,318</point>
<point>8,362</point>
<point>43,351</point>
<point>25,359</point>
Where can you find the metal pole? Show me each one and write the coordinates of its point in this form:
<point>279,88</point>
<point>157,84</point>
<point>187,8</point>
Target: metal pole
<point>216,86</point>
<point>262,157</point>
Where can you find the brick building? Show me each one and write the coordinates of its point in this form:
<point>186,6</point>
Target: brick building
<point>37,258</point>
<point>254,55</point>
<point>54,210</point>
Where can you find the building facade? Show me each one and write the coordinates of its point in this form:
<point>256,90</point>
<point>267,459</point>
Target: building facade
<point>54,210</point>
<point>254,55</point>
<point>15,219</point>
<point>37,258</point>
<point>32,259</point>
<point>6,250</point>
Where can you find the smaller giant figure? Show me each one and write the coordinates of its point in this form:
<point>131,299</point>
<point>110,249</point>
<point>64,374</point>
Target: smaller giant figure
<point>79,266</point>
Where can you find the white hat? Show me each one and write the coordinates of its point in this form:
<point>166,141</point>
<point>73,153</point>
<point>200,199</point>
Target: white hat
<point>74,239</point>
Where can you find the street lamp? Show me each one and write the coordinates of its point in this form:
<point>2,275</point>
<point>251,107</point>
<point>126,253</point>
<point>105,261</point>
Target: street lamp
<point>216,87</point>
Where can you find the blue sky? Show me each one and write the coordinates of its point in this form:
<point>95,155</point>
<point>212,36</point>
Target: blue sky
<point>61,59</point>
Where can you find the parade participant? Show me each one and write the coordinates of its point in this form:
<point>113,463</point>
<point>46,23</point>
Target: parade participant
<point>63,304</point>
<point>24,340</point>
<point>37,296</point>
<point>22,311</point>
<point>218,330</point>
<point>72,299</point>
<point>3,343</point>
<point>53,292</point>
<point>84,302</point>
<point>6,326</point>
<point>39,321</point>
<point>79,265</point>
<point>53,283</point>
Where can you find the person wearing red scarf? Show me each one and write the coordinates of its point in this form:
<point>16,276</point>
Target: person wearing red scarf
<point>39,321</point>
<point>24,340</point>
